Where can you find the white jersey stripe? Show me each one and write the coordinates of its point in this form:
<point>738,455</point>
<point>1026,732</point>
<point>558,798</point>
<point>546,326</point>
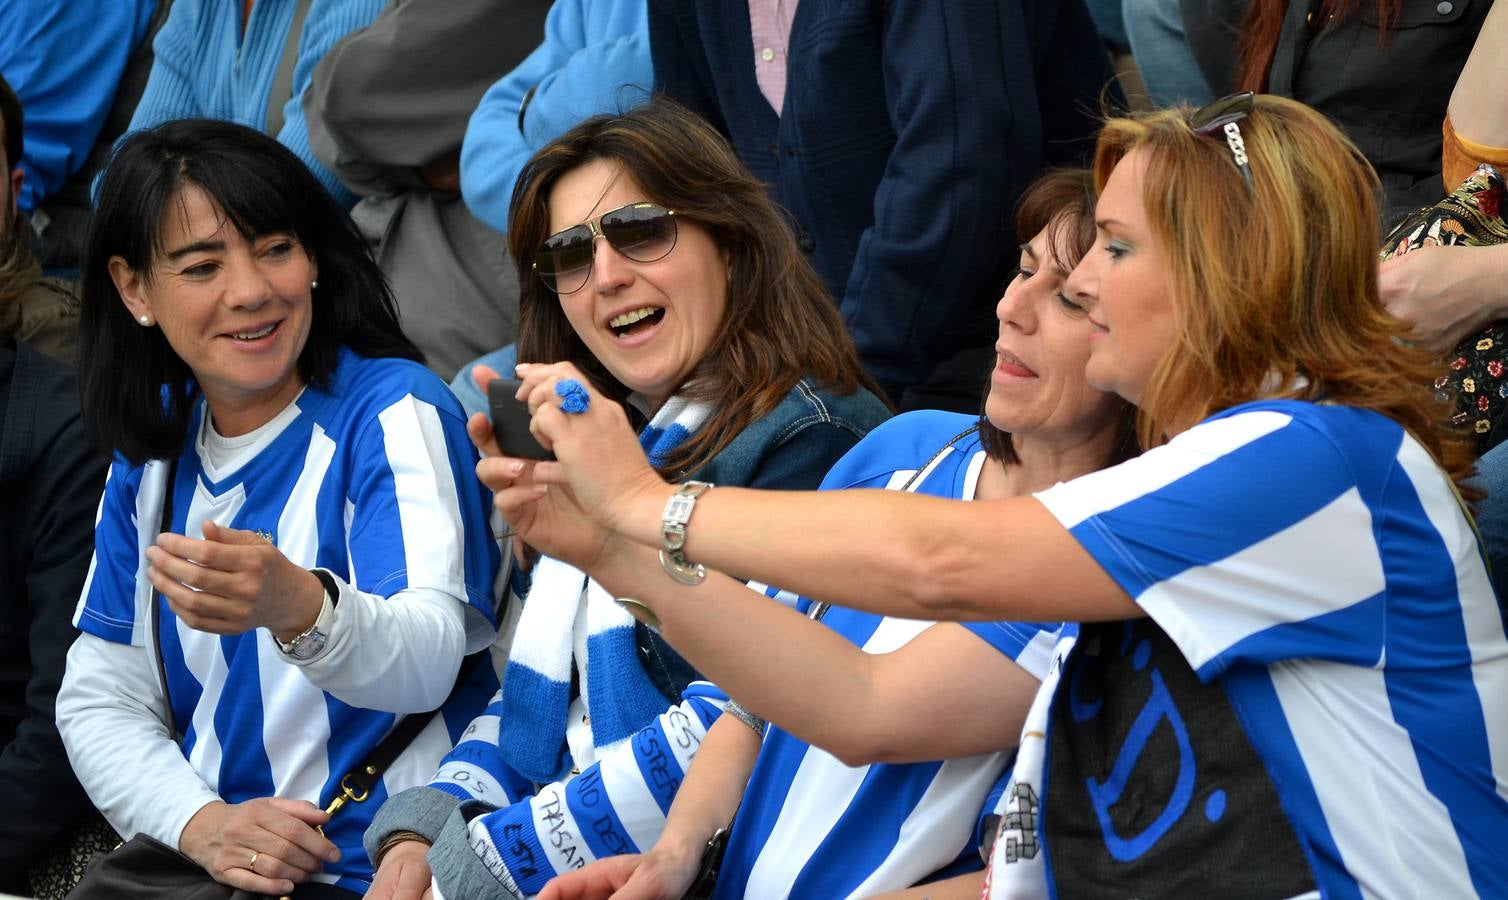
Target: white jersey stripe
<point>205,662</point>
<point>1356,763</point>
<point>933,827</point>
<point>1484,626</point>
<point>820,792</point>
<point>429,511</point>
<point>301,768</point>
<point>1110,488</point>
<point>1347,564</point>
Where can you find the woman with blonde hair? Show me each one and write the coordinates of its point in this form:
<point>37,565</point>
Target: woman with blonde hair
<point>1290,671</point>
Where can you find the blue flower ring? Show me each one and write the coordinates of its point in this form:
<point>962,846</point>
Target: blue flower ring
<point>573,396</point>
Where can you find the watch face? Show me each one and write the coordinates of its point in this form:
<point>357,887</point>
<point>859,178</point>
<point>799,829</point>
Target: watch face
<point>307,645</point>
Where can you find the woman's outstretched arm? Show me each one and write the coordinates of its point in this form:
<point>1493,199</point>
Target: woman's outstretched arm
<point>886,552</point>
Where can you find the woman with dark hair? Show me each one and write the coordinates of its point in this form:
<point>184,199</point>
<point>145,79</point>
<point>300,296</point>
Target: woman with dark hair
<point>650,257</point>
<point>1290,662</point>
<point>289,533</point>
<point>844,792</point>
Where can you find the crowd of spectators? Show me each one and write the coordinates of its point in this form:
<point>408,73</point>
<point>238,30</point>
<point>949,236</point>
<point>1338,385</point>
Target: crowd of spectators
<point>1193,301</point>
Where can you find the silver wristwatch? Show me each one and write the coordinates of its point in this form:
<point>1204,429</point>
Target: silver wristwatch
<point>673,533</point>
<point>311,641</point>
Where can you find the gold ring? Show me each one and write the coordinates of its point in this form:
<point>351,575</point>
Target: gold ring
<point>255,854</point>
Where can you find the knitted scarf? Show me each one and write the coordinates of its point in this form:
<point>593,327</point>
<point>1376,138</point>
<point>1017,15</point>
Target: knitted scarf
<point>537,685</point>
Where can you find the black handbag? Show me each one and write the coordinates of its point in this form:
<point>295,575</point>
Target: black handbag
<point>145,868</point>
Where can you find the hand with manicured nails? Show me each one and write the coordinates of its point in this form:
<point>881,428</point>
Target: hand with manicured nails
<point>599,456</point>
<point>233,581</point>
<point>548,518</point>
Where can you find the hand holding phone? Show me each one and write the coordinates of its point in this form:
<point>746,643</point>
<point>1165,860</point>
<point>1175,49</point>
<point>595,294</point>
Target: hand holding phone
<point>510,421</point>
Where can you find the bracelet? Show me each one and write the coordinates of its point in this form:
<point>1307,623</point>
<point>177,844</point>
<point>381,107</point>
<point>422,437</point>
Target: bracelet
<point>678,511</point>
<point>640,611</point>
<point>393,840</point>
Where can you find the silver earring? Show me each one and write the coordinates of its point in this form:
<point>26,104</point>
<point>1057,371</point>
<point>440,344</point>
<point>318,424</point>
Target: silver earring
<point>144,319</point>
<point>314,284</point>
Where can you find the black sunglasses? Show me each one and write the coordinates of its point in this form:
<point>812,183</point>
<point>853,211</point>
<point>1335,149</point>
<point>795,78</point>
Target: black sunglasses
<point>1221,116</point>
<point>643,232</point>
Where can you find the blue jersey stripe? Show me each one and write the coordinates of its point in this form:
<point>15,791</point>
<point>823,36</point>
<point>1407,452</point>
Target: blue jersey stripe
<point>765,796</point>
<point>1206,515</point>
<point>855,846</point>
<point>245,770</point>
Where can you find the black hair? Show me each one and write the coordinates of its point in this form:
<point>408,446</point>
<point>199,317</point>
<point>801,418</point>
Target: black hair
<point>14,121</point>
<point>138,394</point>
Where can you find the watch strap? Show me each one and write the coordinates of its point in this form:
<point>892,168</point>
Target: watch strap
<point>678,510</point>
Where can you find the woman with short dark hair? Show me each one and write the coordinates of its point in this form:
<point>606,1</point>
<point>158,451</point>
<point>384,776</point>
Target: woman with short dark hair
<point>290,532</point>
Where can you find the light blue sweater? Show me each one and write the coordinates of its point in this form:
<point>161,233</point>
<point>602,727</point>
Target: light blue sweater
<point>594,59</point>
<point>205,67</point>
<point>64,61</point>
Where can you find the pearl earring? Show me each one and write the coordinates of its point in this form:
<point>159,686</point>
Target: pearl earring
<point>144,319</point>
<point>314,284</point>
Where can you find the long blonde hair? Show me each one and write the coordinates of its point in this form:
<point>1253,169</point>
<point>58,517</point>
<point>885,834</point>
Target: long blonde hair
<point>1274,285</point>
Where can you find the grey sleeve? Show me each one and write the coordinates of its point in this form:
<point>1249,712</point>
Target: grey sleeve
<point>460,872</point>
<point>422,810</point>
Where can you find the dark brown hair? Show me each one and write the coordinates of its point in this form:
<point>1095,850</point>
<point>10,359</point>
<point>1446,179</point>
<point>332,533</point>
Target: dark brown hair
<point>780,324</point>
<point>138,393</point>
<point>1061,201</point>
<point>1263,24</point>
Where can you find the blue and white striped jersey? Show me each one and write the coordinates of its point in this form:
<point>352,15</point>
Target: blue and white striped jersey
<point>370,477</point>
<point>811,826</point>
<point>1313,563</point>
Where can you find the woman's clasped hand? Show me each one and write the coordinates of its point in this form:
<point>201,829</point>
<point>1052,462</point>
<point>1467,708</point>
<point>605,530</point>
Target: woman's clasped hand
<point>265,845</point>
<point>233,581</point>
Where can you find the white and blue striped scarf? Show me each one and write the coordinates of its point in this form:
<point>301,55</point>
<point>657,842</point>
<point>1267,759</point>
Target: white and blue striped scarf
<point>537,687</point>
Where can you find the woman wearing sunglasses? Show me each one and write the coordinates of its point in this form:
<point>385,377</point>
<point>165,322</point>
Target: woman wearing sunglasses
<point>652,261</point>
<point>1290,672</point>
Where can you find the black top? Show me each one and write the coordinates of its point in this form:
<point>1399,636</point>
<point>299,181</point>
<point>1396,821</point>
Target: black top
<point>50,482</point>
<point>1389,96</point>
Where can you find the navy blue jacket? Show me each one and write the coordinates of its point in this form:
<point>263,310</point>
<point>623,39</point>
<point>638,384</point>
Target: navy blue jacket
<point>908,131</point>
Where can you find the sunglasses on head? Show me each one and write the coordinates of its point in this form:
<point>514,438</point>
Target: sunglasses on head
<point>643,232</point>
<point>1221,116</point>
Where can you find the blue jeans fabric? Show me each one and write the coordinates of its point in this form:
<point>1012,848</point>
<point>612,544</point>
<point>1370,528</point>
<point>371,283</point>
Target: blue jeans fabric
<point>472,399</point>
<point>1155,31</point>
<point>1492,514</point>
<point>1109,20</point>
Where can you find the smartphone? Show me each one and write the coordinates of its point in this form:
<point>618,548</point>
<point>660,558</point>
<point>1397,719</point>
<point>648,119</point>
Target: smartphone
<point>510,421</point>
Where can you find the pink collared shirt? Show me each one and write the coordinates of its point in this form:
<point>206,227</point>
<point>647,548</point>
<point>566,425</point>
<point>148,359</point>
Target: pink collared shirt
<point>770,26</point>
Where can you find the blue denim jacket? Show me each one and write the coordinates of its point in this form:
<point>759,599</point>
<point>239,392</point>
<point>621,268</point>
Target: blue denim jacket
<point>789,449</point>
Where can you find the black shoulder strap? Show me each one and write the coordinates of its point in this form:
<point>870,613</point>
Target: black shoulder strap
<point>157,599</point>
<point>357,784</point>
